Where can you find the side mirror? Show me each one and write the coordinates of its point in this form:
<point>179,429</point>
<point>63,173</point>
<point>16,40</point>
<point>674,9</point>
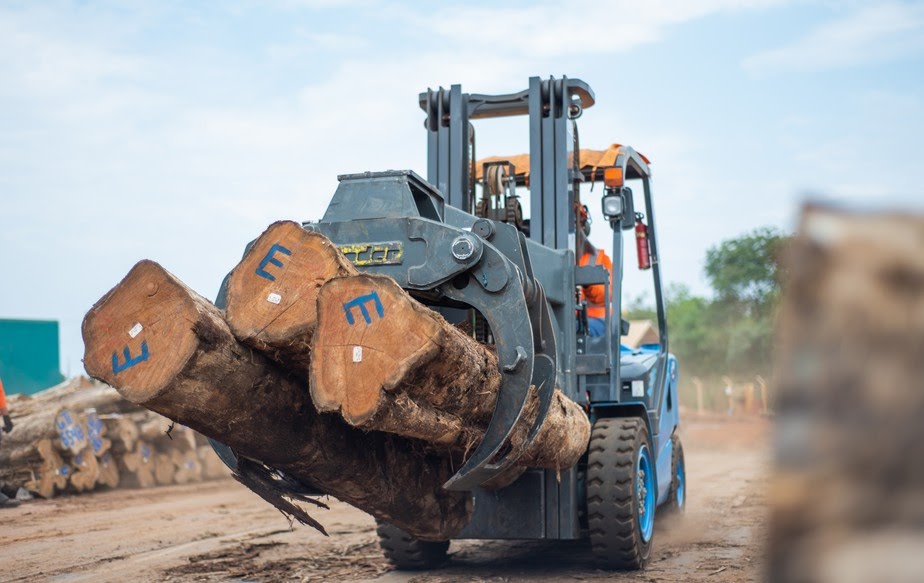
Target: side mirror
<point>624,327</point>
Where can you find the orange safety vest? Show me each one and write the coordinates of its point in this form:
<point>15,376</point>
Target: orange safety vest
<point>2,399</point>
<point>596,294</point>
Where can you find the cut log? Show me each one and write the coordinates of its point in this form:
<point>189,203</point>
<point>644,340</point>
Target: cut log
<point>187,465</point>
<point>122,431</point>
<point>154,427</point>
<point>53,474</point>
<point>139,466</point>
<point>96,432</point>
<point>85,470</point>
<point>108,471</point>
<point>386,362</point>
<point>72,431</point>
<point>212,466</point>
<point>164,469</point>
<point>165,347</point>
<point>182,439</point>
<point>270,301</point>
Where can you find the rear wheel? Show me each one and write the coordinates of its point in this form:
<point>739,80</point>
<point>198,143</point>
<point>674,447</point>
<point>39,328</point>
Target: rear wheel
<point>408,553</point>
<point>677,498</point>
<point>621,495</point>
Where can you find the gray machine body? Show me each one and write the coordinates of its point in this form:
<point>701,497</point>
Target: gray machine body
<point>422,233</point>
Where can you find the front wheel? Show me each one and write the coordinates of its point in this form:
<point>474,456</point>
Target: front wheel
<point>621,494</point>
<point>408,553</point>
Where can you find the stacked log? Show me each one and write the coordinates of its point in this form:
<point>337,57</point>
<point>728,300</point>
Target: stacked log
<point>74,438</point>
<point>38,467</point>
<point>85,470</point>
<point>397,396</point>
<point>140,465</point>
<point>109,475</point>
<point>40,451</point>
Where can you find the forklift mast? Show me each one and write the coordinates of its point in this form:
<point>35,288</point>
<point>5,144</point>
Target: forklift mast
<point>551,105</point>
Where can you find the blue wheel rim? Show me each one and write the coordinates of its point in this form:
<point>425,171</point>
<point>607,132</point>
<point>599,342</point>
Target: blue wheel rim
<point>645,493</point>
<point>681,483</point>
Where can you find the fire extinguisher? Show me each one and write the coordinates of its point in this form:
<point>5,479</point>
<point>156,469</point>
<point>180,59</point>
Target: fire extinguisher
<point>641,242</point>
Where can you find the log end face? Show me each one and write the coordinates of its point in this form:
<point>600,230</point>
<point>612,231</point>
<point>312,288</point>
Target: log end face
<point>140,334</point>
<point>272,292</point>
<point>370,334</point>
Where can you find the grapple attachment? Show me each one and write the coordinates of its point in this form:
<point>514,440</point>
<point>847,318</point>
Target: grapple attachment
<point>473,263</point>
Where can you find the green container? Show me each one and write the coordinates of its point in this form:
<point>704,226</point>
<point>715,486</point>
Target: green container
<point>29,355</point>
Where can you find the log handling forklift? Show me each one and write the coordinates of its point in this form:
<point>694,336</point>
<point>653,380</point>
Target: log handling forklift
<point>516,281</point>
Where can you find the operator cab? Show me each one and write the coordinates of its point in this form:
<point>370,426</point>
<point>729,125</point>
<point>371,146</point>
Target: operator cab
<point>612,169</point>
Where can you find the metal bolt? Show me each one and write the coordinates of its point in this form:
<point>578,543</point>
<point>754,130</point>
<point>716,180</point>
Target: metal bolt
<point>463,248</point>
<point>518,361</point>
<point>483,228</point>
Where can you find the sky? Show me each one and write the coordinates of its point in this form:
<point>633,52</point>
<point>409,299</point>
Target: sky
<point>177,131</point>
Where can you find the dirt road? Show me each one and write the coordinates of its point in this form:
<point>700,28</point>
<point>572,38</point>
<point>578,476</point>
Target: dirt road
<point>220,531</point>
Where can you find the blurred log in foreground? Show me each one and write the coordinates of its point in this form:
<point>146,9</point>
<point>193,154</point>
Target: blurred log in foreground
<point>848,495</point>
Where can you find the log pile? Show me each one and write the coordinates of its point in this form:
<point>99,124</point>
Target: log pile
<point>81,435</point>
<point>340,380</point>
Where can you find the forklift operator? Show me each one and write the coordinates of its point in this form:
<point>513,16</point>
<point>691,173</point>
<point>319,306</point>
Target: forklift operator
<point>594,295</point>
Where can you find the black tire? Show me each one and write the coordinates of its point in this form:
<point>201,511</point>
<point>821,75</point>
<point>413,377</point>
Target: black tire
<point>677,505</point>
<point>613,509</point>
<point>406,552</point>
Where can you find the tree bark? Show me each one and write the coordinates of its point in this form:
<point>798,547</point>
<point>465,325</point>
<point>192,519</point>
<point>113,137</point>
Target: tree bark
<point>270,302</point>
<point>165,347</point>
<point>386,362</point>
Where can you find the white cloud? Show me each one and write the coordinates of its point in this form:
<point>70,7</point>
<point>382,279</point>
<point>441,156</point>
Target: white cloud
<point>45,66</point>
<point>161,142</point>
<point>552,29</point>
<point>875,33</point>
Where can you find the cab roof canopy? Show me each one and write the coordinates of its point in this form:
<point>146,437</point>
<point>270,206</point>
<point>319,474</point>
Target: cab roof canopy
<point>592,163</point>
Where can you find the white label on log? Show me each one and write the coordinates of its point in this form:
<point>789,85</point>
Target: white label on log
<point>638,388</point>
<point>136,330</point>
<point>274,298</point>
<point>357,354</point>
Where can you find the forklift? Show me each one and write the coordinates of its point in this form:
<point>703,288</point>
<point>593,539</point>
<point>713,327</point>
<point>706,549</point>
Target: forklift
<point>516,281</point>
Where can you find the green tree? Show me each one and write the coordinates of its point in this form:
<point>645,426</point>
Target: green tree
<point>745,274</point>
<point>731,332</point>
<point>745,271</point>
<point>689,329</point>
